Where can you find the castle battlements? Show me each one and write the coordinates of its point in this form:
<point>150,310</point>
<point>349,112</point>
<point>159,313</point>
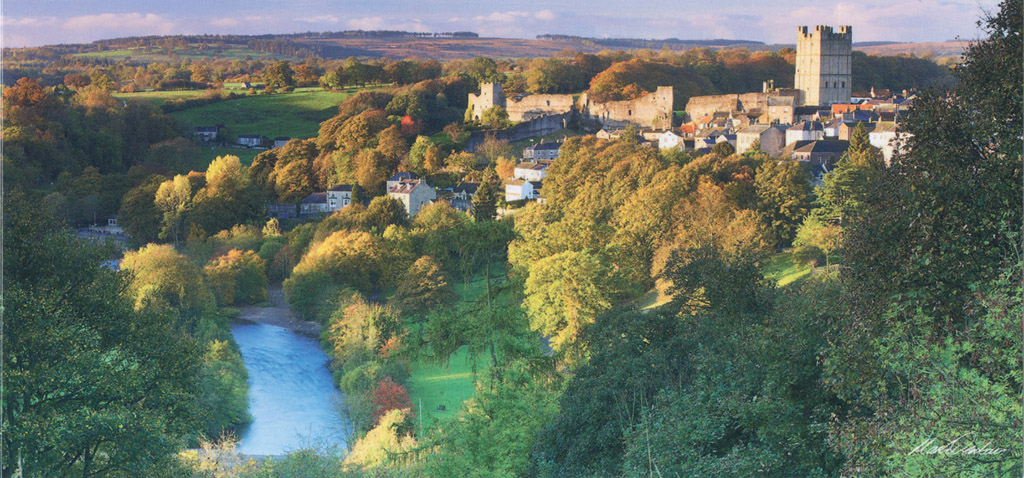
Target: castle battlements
<point>823,64</point>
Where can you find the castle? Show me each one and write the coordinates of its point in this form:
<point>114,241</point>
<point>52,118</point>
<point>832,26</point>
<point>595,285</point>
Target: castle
<point>823,65</point>
<point>652,110</point>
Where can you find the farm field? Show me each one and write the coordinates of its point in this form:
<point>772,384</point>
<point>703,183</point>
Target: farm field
<point>295,115</point>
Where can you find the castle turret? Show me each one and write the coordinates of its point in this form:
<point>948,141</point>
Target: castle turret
<point>823,65</point>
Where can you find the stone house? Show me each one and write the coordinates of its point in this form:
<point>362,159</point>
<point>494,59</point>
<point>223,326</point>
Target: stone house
<point>413,193</point>
<point>847,128</point>
<point>315,203</point>
<point>669,140</point>
<point>771,138</point>
<point>280,141</point>
<point>821,151</point>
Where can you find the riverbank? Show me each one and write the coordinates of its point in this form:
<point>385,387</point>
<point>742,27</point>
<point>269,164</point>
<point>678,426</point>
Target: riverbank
<point>279,314</point>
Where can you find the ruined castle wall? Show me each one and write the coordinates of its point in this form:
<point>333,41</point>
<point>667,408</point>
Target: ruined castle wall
<point>653,110</point>
<point>701,106</point>
<point>539,126</point>
<point>528,107</point>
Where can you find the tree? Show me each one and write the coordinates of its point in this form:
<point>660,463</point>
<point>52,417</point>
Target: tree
<point>495,117</point>
<point>387,396</point>
<point>454,131</point>
<point>783,198</point>
<point>384,211</point>
<point>279,74</point>
<point>723,149</point>
<point>564,293</point>
<point>92,386</point>
<point>163,278</point>
<point>139,214</point>
<point>237,278</point>
<point>173,198</point>
<point>845,190</point>
<point>423,288</point>
<point>485,202</point>
<point>224,176</point>
<point>816,238</point>
<point>418,154</point>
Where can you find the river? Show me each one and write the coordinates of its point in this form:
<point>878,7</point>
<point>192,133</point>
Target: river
<point>292,399</point>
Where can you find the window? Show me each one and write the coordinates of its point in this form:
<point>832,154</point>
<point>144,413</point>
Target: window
<point>549,102</point>
<point>844,84</point>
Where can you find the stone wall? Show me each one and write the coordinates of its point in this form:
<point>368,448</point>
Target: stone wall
<point>701,106</point>
<point>653,110</point>
<point>528,107</point>
<point>539,126</point>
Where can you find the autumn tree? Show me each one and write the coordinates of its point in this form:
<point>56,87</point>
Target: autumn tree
<point>173,197</point>
<point>564,293</point>
<point>237,278</point>
<point>783,198</point>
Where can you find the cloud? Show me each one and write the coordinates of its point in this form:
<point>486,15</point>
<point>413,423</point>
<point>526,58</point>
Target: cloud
<point>320,19</point>
<point>502,17</point>
<point>29,22</point>
<point>380,23</point>
<point>544,15</point>
<point>224,22</point>
<point>148,23</point>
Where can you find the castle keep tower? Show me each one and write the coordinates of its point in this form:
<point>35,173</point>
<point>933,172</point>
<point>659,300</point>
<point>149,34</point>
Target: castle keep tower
<point>823,65</point>
<point>490,95</point>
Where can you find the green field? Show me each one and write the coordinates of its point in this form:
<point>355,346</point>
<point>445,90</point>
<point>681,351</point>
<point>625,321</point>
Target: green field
<point>296,115</point>
<point>208,154</point>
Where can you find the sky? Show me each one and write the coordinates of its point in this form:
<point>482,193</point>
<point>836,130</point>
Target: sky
<point>47,22</point>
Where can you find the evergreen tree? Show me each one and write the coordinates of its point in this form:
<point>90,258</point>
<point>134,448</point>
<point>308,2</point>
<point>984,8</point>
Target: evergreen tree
<point>485,202</point>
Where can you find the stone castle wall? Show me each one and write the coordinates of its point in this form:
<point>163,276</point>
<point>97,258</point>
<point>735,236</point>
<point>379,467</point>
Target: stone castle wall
<point>700,106</point>
<point>653,110</point>
<point>528,107</point>
<point>539,126</point>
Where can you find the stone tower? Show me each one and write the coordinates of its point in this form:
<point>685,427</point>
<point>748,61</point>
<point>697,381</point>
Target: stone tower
<point>823,65</point>
<point>490,95</point>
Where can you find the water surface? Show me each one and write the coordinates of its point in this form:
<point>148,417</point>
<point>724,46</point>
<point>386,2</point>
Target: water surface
<point>292,398</point>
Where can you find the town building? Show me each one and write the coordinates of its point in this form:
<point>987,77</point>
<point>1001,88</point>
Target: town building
<point>805,131</point>
<point>339,197</point>
<point>531,171</point>
<point>206,133</point>
<point>542,151</point>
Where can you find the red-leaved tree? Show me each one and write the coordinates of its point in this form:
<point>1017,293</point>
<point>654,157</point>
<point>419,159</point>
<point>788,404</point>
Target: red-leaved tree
<point>390,396</point>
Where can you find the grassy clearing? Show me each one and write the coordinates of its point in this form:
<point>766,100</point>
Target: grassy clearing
<point>784,270</point>
<point>295,115</point>
<point>433,385</point>
<point>159,97</point>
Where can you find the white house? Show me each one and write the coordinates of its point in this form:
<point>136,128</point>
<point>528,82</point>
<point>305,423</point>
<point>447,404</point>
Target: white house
<point>531,171</point>
<point>886,138</point>
<point>519,189</point>
<point>339,196</point>
<point>805,131</point>
<point>669,140</point>
<point>251,140</point>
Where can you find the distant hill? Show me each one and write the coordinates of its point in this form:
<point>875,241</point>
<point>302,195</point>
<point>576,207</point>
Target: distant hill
<point>439,46</point>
